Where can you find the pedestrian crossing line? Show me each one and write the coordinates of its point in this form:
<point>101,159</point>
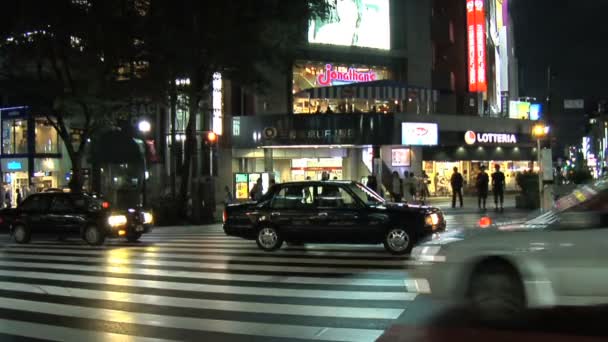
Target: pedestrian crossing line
<point>245,290</point>
<point>213,325</point>
<point>56,333</point>
<point>205,304</point>
<point>223,263</point>
<point>223,250</point>
<point>190,257</point>
<point>333,281</point>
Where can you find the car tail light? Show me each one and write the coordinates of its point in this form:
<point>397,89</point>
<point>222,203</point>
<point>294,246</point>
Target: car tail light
<point>224,216</point>
<point>105,204</point>
<point>485,222</point>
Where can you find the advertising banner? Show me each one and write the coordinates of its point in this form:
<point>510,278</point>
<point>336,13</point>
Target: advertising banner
<point>364,23</point>
<point>419,134</point>
<point>476,38</point>
<point>400,157</point>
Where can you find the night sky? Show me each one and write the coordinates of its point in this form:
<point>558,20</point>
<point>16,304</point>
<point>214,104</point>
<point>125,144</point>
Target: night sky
<point>571,36</point>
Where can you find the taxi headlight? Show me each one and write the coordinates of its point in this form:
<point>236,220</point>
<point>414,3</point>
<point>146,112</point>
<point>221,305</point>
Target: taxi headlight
<point>432,219</point>
<point>148,218</point>
<point>117,220</point>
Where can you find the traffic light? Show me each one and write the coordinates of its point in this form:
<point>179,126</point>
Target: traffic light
<point>210,138</point>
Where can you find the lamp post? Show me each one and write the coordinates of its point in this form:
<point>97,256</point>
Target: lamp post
<point>539,131</point>
<point>144,128</point>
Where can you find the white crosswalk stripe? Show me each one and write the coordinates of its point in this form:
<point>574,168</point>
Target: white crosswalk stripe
<point>198,284</point>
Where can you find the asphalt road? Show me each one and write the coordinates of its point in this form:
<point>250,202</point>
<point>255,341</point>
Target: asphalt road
<point>194,283</point>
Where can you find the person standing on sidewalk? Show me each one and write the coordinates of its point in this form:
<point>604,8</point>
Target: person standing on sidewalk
<point>482,187</point>
<point>456,181</point>
<point>396,187</point>
<point>498,188</point>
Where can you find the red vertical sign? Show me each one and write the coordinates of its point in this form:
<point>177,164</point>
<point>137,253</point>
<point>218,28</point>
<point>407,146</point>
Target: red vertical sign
<point>480,27</point>
<point>472,42</point>
<point>476,31</point>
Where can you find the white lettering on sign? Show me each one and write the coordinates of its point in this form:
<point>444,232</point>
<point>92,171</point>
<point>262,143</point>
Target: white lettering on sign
<point>471,138</point>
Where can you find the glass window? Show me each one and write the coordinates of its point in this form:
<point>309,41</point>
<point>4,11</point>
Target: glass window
<point>61,203</point>
<point>35,203</point>
<point>290,197</point>
<point>14,136</point>
<point>332,196</point>
<point>46,137</point>
<point>366,194</point>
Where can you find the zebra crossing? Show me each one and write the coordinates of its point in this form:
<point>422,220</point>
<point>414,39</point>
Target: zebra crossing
<point>195,283</point>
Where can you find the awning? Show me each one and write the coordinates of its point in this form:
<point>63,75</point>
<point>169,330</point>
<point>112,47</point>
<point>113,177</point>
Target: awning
<point>376,90</point>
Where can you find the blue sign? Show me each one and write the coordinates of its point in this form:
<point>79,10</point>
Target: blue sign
<point>535,111</point>
<point>14,165</point>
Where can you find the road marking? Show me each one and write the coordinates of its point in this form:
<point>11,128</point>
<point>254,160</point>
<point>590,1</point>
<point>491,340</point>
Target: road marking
<point>204,304</point>
<point>226,289</point>
<point>214,325</point>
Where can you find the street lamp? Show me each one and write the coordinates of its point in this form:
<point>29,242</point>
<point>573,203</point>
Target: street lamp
<point>144,126</point>
<point>539,131</point>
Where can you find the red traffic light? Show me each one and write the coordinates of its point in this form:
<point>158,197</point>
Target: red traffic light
<point>211,137</point>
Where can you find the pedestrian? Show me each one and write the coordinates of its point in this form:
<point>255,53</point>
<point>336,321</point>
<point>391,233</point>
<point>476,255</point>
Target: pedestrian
<point>498,188</point>
<point>325,176</point>
<point>456,181</point>
<point>7,198</point>
<point>482,187</point>
<point>372,183</point>
<point>257,190</point>
<point>407,186</point>
<point>271,183</point>
<point>19,196</point>
<point>396,187</point>
<point>228,198</point>
<point>425,184</point>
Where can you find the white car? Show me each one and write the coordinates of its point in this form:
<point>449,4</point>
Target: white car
<point>558,258</point>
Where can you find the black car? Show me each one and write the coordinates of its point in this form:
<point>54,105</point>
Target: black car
<point>332,212</point>
<point>64,214</point>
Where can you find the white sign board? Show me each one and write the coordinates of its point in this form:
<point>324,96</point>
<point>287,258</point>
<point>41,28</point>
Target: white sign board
<point>574,104</point>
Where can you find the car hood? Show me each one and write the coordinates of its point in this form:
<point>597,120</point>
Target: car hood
<point>405,207</point>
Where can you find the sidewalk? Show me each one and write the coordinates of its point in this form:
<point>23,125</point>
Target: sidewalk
<point>470,204</point>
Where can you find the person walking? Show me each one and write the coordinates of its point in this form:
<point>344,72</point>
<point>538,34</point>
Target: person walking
<point>426,180</point>
<point>396,187</point>
<point>456,181</point>
<point>408,195</point>
<point>481,184</point>
<point>257,190</point>
<point>228,198</point>
<point>498,188</point>
<point>19,196</point>
<point>372,183</point>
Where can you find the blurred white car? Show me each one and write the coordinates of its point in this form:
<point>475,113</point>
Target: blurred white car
<point>557,258</point>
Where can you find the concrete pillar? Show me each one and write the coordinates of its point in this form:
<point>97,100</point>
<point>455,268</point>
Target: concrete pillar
<point>416,160</point>
<point>268,162</point>
<point>351,164</point>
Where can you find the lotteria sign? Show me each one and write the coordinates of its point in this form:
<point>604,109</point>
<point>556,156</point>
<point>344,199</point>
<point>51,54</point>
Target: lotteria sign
<point>332,77</point>
<point>472,138</point>
<point>476,34</point>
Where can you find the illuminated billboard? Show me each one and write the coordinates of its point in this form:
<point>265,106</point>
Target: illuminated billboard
<point>363,23</point>
<point>400,157</point>
<point>476,39</point>
<point>419,134</point>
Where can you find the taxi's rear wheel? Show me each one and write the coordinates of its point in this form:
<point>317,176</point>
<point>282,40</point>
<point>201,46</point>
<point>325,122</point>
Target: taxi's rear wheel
<point>497,294</point>
<point>93,236</point>
<point>269,239</point>
<point>133,237</point>
<point>398,241</point>
<point>21,234</point>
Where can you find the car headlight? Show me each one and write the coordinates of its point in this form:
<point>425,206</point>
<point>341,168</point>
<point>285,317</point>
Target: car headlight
<point>148,218</point>
<point>117,220</point>
<point>432,219</point>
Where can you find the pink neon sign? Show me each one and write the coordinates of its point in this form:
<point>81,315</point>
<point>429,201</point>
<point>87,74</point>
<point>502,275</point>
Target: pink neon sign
<point>352,75</point>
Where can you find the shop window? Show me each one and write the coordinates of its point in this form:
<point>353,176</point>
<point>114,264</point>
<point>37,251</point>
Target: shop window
<point>35,203</point>
<point>46,137</point>
<point>14,136</point>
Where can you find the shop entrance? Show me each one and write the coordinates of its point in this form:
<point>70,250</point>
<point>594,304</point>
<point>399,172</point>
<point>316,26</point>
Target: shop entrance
<point>14,181</point>
<point>303,168</point>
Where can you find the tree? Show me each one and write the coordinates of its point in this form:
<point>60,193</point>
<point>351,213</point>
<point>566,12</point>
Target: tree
<point>73,61</point>
<point>195,39</point>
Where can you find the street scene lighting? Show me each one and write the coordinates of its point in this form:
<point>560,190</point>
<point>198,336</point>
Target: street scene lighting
<point>144,126</point>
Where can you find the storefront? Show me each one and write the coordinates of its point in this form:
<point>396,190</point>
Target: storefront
<point>352,146</point>
<point>31,158</point>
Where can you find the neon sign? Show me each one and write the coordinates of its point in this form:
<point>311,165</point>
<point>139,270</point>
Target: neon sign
<point>476,31</point>
<point>471,138</point>
<point>14,165</point>
<point>351,76</point>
